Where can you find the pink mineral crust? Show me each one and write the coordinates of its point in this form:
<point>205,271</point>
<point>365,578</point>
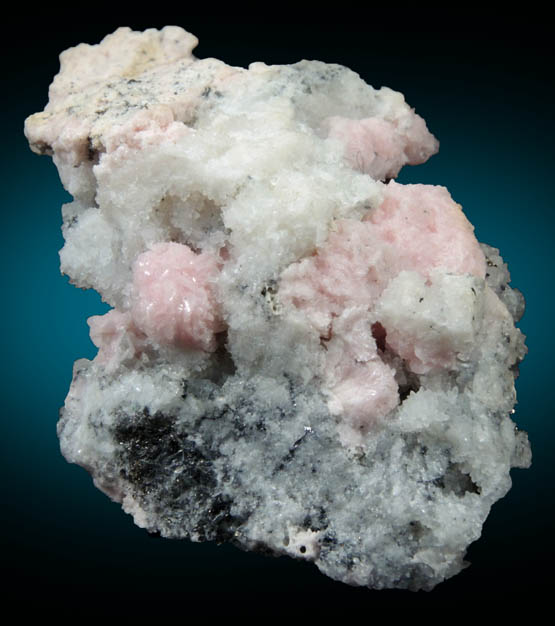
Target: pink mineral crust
<point>108,84</point>
<point>109,331</point>
<point>424,229</point>
<point>416,228</point>
<point>146,129</point>
<point>380,147</point>
<point>174,299</point>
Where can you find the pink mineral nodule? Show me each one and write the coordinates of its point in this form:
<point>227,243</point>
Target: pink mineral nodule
<point>174,299</point>
<point>381,147</point>
<point>415,227</point>
<point>303,355</point>
<point>109,331</point>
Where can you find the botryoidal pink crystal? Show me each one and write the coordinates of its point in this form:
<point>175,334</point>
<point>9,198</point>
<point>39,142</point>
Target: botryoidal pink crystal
<point>303,355</point>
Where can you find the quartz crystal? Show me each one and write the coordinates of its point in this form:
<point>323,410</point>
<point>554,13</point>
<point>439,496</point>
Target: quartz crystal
<point>304,356</point>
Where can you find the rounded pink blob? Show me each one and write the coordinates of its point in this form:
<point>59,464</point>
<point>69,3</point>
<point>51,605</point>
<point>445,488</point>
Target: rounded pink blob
<point>426,230</point>
<point>379,147</point>
<point>174,299</point>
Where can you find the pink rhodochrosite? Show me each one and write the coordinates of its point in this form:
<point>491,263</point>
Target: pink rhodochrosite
<point>173,299</point>
<point>303,355</point>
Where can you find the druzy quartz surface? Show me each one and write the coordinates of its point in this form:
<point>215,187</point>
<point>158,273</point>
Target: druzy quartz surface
<point>304,356</point>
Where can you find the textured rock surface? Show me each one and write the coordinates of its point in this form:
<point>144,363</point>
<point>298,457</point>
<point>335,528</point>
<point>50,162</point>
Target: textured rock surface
<point>304,357</point>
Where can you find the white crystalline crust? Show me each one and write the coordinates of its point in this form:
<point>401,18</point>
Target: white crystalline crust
<point>262,431</point>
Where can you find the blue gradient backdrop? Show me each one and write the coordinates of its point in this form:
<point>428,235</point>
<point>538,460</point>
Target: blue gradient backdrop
<point>486,92</point>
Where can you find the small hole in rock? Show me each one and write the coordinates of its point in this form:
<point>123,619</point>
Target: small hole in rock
<point>379,334</point>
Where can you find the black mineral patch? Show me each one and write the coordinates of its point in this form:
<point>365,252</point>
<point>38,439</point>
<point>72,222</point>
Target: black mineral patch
<point>173,477</point>
<point>148,442</point>
<point>218,524</point>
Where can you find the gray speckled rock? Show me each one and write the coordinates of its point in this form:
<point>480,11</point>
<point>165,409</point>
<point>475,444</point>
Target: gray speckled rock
<point>303,358</point>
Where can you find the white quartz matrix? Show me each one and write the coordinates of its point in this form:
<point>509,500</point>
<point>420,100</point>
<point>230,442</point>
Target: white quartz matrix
<point>304,356</point>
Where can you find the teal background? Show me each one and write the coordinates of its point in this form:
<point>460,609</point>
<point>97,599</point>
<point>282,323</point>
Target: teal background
<point>485,88</point>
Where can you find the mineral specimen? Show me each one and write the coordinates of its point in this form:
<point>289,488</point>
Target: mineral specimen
<point>303,355</point>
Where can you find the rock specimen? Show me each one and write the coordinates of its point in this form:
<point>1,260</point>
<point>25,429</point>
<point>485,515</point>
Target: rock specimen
<point>303,355</point>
